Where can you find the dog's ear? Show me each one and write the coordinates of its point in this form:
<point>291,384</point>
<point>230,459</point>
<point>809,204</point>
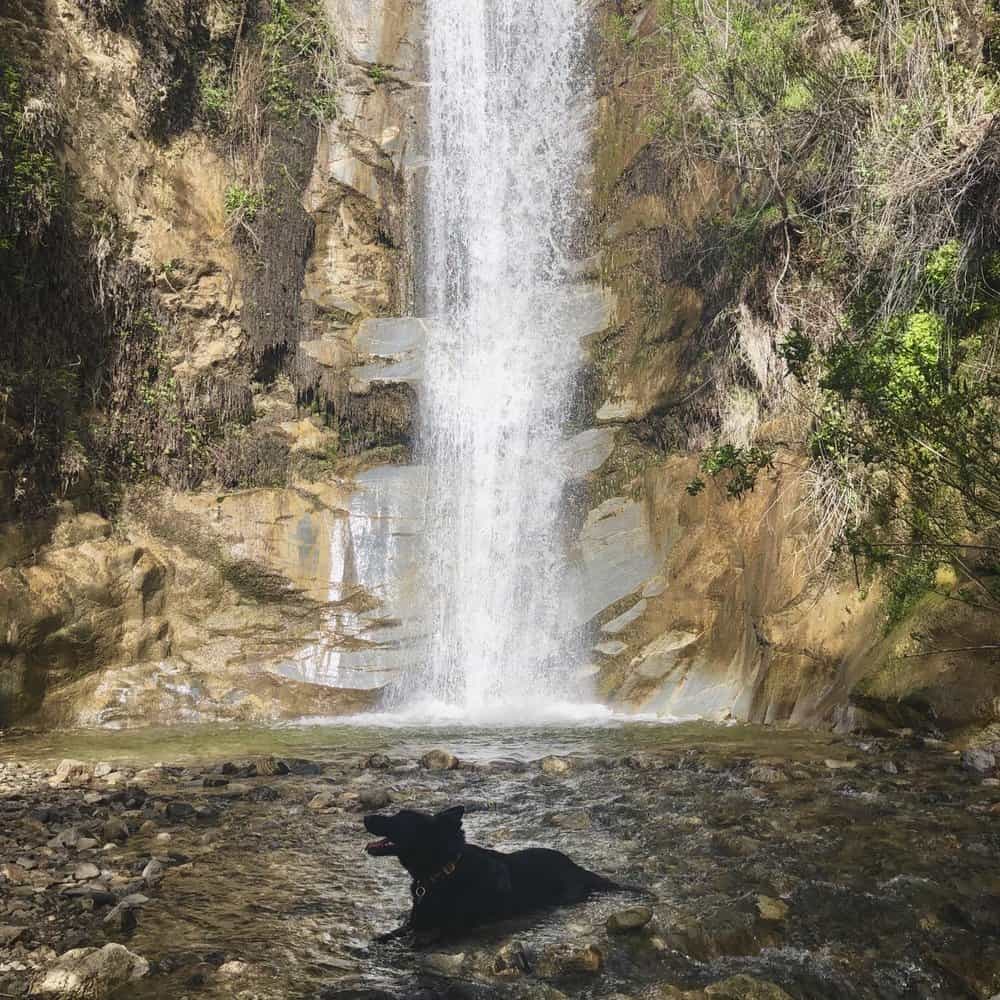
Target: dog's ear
<point>452,816</point>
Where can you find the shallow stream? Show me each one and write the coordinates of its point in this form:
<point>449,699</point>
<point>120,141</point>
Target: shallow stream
<point>835,869</point>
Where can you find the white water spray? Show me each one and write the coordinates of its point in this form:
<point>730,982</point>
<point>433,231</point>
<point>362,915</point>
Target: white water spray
<point>507,144</point>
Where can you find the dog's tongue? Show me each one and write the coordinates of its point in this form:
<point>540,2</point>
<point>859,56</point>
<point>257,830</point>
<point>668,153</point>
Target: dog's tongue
<point>378,845</point>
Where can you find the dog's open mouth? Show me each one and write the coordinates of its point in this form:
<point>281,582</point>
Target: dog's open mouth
<point>378,848</point>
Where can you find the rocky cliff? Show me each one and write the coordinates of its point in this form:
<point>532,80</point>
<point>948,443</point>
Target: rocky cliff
<point>751,614</point>
<point>209,368</point>
<point>204,206</point>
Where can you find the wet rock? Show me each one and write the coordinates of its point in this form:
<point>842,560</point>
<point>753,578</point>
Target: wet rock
<point>765,775</point>
<point>85,871</point>
<point>303,768</point>
<point>377,762</point>
<point>199,975</point>
<point>745,988</point>
<point>374,798</point>
<point>840,765</point>
<point>263,793</point>
<point>444,964</point>
<point>9,934</point>
<point>93,892</point>
<point>214,781</point>
<point>122,918</point>
<point>72,772</point>
<point>233,969</point>
<point>68,837</point>
<point>152,872</point>
<point>510,961</point>
<point>90,973</point>
<point>569,960</point>
<point>555,765</point>
<point>577,819</point>
<point>14,874</point>
<point>322,801</point>
<point>179,812</point>
<point>439,760</point>
<point>266,767</point>
<point>722,931</point>
<point>979,761</point>
<point>771,909</point>
<point>631,919</point>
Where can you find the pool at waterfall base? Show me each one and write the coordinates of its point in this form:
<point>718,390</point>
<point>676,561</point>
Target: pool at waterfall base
<point>817,866</point>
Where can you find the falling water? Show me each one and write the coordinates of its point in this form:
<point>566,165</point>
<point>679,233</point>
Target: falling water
<point>507,143</point>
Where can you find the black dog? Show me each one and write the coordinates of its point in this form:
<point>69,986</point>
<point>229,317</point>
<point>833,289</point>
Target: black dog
<point>458,885</point>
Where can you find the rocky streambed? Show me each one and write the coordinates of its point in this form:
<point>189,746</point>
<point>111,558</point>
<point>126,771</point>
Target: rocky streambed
<point>229,863</point>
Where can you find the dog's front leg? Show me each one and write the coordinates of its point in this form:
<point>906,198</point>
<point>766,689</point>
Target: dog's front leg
<point>426,936</point>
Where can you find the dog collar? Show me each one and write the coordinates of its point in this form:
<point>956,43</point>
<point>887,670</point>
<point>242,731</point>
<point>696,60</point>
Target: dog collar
<point>421,887</point>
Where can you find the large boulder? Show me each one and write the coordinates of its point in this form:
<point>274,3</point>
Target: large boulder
<point>90,973</point>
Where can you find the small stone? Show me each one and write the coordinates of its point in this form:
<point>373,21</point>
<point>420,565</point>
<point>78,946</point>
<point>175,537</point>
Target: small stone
<point>840,765</point>
<point>149,776</point>
<point>153,872</point>
<point>72,772</point>
<point>569,960</point>
<point>85,871</point>
<point>267,767</point>
<point>234,968</point>
<point>103,769</point>
<point>163,838</point>
<point>574,820</point>
<point>439,760</point>
<point>9,934</point>
<point>86,844</point>
<point>115,829</point>
<point>97,893</point>
<point>555,765</point>
<point>14,874</point>
<point>979,761</point>
<point>263,793</point>
<point>214,781</point>
<point>631,919</point>
<point>771,909</point>
<point>322,801</point>
<point>762,774</point>
<point>69,837</point>
<point>374,798</point>
<point>510,961</point>
<point>148,828</point>
<point>378,762</point>
<point>122,918</point>
<point>180,812</point>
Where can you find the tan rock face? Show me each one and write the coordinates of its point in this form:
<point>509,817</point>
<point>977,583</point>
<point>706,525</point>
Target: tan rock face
<point>195,606</point>
<point>733,617</point>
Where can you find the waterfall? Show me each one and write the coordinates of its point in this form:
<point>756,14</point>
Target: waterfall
<point>507,144</point>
